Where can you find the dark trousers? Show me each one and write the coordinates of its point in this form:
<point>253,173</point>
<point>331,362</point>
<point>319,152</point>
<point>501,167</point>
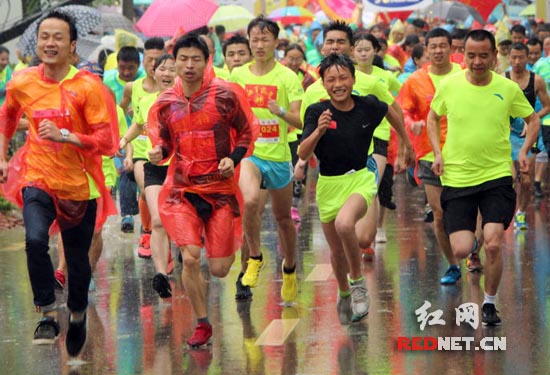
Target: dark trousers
<point>38,214</point>
<point>128,196</point>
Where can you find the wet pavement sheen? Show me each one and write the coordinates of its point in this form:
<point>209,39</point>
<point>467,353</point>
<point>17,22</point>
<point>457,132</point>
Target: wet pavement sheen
<point>132,331</point>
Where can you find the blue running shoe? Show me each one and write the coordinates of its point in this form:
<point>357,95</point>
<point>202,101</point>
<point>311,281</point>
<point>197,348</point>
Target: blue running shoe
<point>451,276</point>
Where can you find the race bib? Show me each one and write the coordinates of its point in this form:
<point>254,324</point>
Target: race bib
<point>269,131</point>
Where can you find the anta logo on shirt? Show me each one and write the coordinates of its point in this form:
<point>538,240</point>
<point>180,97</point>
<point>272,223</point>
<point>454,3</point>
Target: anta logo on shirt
<point>499,96</point>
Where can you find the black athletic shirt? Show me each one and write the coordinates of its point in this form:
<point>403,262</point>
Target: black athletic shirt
<point>529,92</point>
<point>345,148</point>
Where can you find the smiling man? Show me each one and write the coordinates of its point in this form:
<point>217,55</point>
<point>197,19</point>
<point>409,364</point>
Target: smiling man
<point>338,132</point>
<point>70,127</point>
<point>475,163</point>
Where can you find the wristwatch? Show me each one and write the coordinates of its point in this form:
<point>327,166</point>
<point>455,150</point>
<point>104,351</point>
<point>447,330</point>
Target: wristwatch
<point>64,134</point>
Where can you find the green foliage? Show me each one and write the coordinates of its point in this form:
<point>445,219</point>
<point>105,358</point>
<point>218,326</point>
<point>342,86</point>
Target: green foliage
<point>5,206</point>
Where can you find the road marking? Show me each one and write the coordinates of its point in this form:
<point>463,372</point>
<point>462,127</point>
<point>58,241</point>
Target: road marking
<point>277,332</point>
<point>321,272</point>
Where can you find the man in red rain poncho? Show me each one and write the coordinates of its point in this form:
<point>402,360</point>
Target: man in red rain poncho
<point>56,177</point>
<point>205,125</point>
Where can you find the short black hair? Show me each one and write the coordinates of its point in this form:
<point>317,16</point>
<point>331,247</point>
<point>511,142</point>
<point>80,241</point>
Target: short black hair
<point>154,43</point>
<point>236,39</point>
<point>219,29</point>
<point>366,36</point>
<point>297,47</point>
<point>417,52</point>
<point>438,32</point>
<point>521,47</point>
<point>480,36</point>
<point>191,41</point>
<point>459,34</point>
<point>533,41</point>
<point>63,17</point>
<point>334,59</point>
<point>161,59</point>
<point>338,25</point>
<point>411,40</point>
<point>419,22</point>
<point>264,24</point>
<point>518,29</point>
<point>4,50</point>
<point>382,42</point>
<point>128,54</point>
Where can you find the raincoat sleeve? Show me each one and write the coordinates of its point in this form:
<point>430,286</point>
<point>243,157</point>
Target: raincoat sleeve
<point>244,121</point>
<point>157,121</point>
<point>10,113</point>
<point>101,116</point>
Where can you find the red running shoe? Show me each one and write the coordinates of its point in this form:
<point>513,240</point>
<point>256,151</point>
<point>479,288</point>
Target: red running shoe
<point>144,248</point>
<point>368,254</point>
<point>59,279</point>
<point>201,336</point>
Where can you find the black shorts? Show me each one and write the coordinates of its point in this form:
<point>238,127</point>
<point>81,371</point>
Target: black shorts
<point>380,147</point>
<point>495,200</point>
<point>426,175</point>
<point>131,175</point>
<point>154,174</point>
<point>545,130</point>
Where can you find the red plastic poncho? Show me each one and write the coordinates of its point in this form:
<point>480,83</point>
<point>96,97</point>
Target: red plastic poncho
<point>197,133</point>
<point>80,104</point>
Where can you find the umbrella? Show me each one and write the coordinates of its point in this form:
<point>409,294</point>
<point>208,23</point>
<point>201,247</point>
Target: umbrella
<point>529,11</point>
<point>112,21</point>
<point>86,46</point>
<point>291,15</point>
<point>452,10</point>
<point>165,17</point>
<point>86,18</point>
<point>233,17</point>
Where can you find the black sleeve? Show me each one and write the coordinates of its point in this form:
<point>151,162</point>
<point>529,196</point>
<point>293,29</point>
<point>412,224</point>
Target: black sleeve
<point>237,155</point>
<point>311,118</point>
<point>377,109</point>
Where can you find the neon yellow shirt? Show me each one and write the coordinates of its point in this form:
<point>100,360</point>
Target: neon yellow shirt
<point>141,103</point>
<point>477,148</point>
<point>393,86</point>
<point>436,80</point>
<point>281,84</point>
<point>221,73</point>
<point>108,163</point>
<point>364,85</point>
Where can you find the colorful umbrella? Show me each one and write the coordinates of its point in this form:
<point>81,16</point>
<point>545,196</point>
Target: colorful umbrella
<point>165,17</point>
<point>86,19</point>
<point>291,15</point>
<point>529,11</point>
<point>233,17</point>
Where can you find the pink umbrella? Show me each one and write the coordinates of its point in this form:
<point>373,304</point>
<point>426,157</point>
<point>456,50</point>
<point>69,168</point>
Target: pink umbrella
<point>165,17</point>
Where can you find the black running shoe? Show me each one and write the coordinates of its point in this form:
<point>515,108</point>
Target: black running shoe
<point>76,337</point>
<point>162,285</point>
<point>46,331</point>
<point>489,315</point>
<point>243,292</point>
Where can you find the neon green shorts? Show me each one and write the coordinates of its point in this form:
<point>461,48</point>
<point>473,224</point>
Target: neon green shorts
<point>334,191</point>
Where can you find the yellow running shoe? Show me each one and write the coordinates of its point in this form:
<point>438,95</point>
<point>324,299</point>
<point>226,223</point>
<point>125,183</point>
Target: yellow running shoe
<point>289,290</point>
<point>250,277</point>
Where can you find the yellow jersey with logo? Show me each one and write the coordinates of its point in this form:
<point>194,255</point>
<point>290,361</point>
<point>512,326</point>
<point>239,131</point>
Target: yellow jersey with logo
<point>477,148</point>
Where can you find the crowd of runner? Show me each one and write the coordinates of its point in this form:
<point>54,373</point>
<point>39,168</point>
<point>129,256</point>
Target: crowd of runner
<point>196,145</point>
